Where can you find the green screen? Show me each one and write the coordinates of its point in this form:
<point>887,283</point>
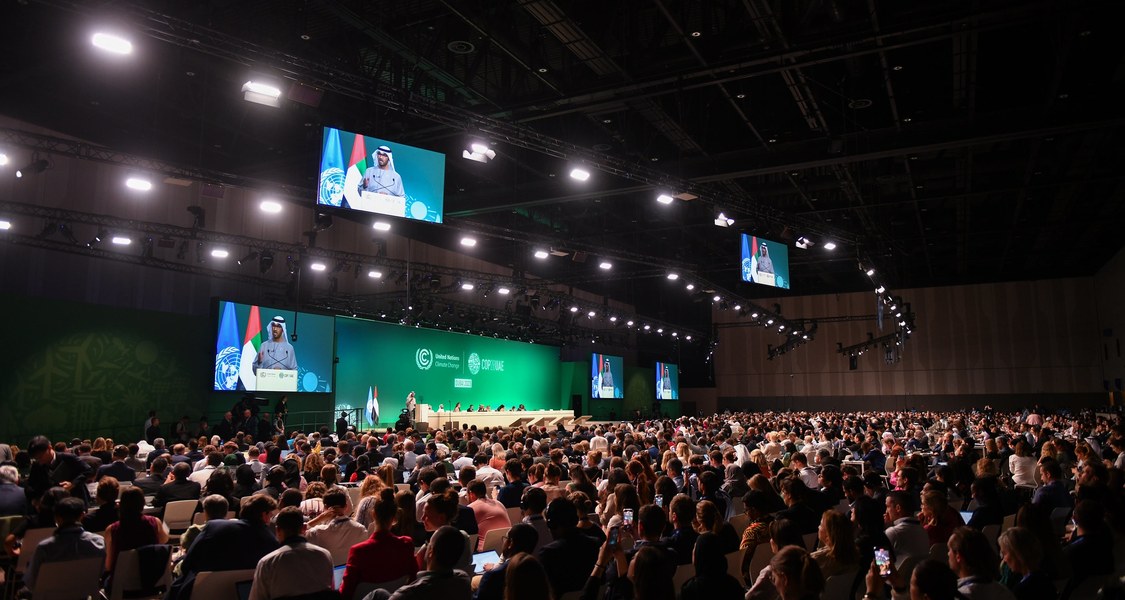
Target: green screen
<point>440,367</point>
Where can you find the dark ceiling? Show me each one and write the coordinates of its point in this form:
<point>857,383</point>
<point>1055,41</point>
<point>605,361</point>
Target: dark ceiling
<point>944,141</point>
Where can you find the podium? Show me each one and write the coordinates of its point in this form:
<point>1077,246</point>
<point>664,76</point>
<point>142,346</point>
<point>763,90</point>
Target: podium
<point>276,380</point>
<point>384,204</point>
<point>605,391</point>
<point>765,278</point>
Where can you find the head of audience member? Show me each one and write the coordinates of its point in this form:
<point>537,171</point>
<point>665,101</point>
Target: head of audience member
<point>1089,517</point>
<point>522,537</point>
<point>971,555</point>
<point>275,477</point>
<point>651,573</point>
<point>69,511</point>
<point>257,509</point>
<point>562,517</point>
<point>385,510</point>
<point>132,504</point>
<point>534,501</point>
<point>708,556</point>
<point>445,548</point>
<point>440,509</point>
<point>837,534</point>
<point>784,532</point>
<point>900,505</point>
<point>707,517</point>
<point>290,523</point>
<point>681,511</point>
<point>933,580</point>
<point>215,507</point>
<point>1020,550</point>
<point>336,499</point>
<point>795,574</point>
<point>651,522</point>
<point>525,577</point>
<point>625,496</point>
<point>107,490</point>
<point>291,497</point>
<point>181,471</point>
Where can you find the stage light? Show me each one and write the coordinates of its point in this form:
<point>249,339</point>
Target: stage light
<point>3,159</point>
<point>647,327</point>
<point>139,184</point>
<point>769,322</point>
<point>33,168</point>
<point>829,245</point>
<point>674,276</point>
<point>781,328</point>
<point>467,286</point>
<point>318,266</point>
<point>717,298</point>
<point>605,265</point>
<point>591,314</point>
<point>574,309</point>
<point>689,287</point>
<point>5,225</point>
<point>503,291</point>
<point>251,255</point>
<point>121,240</point>
<point>112,43</point>
<point>613,319</point>
<point>261,93</point>
<point>265,261</point>
<point>468,242</point>
<point>723,221</point>
<point>219,253</point>
<point>579,174</point>
<point>898,314</point>
<point>381,226</point>
<point>753,315</point>
<point>374,274</point>
<point>880,290</point>
<point>541,254</point>
<point>629,323</point>
<point>688,338</point>
<point>270,206</point>
<point>737,307</point>
<point>803,243</point>
<point>665,199</point>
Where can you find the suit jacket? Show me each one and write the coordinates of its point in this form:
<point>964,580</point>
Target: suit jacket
<point>13,500</point>
<point>177,490</point>
<point>117,469</point>
<point>223,546</point>
<point>511,494</point>
<point>150,484</point>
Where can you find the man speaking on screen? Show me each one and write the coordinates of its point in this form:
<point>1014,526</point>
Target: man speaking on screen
<point>382,178</point>
<point>765,265</point>
<point>276,352</point>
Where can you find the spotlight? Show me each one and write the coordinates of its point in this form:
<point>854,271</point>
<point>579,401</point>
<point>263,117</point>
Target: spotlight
<point>689,287</point>
<point>647,327</point>
<point>717,298</point>
<point>121,240</point>
<point>503,291</point>
<point>249,257</point>
<point>541,254</point>
<point>468,242</point>
<point>112,43</point>
<point>318,266</point>
<point>265,261</point>
<point>3,159</point>
<point>591,314</point>
<point>574,309</point>
<point>665,199</point>
<point>374,274</point>
<point>33,168</point>
<point>605,265</point>
<point>870,272</point>
<point>829,245</point>
<point>139,184</point>
<point>219,253</point>
<point>5,225</point>
<point>467,286</point>
<point>674,276</point>
<point>613,319</point>
<point>270,206</point>
<point>579,173</point>
<point>723,221</point>
<point>629,323</point>
<point>479,152</point>
<point>754,315</point>
<point>803,243</point>
<point>880,290</point>
<point>381,226</point>
<point>261,93</point>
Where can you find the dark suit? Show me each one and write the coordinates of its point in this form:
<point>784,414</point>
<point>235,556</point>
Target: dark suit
<point>492,583</point>
<point>568,561</point>
<point>65,467</point>
<point>511,494</point>
<point>802,516</point>
<point>118,470</point>
<point>223,546</point>
<point>13,500</point>
<point>149,484</point>
<point>177,490</point>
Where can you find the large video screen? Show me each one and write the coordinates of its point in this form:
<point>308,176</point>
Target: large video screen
<point>765,262</point>
<point>264,349</point>
<point>380,176</point>
<point>607,376</point>
<point>667,381</point>
<point>380,363</point>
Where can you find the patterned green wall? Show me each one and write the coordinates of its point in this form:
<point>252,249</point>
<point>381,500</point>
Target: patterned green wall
<point>79,370</point>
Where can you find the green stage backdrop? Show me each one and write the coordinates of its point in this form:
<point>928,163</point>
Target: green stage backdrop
<point>441,368</point>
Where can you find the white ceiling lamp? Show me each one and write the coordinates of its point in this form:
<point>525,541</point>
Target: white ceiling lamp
<point>503,291</point>
<point>381,226</point>
<point>375,274</point>
<point>605,265</point>
<point>541,254</point>
<point>468,242</point>
<point>723,221</point>
<point>121,240</point>
<point>318,266</point>
<point>5,225</point>
<point>468,287</point>
<point>579,174</point>
<point>478,152</point>
<point>139,184</point>
<point>112,43</point>
<point>270,206</point>
<point>665,199</point>
<point>263,93</point>
<point>829,245</point>
<point>219,253</point>
<point>673,276</point>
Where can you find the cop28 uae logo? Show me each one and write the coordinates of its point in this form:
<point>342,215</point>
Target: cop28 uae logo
<point>474,363</point>
<point>424,358</point>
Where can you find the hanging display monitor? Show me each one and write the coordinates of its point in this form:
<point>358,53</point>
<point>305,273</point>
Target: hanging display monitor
<point>262,349</point>
<point>607,375</point>
<point>765,262</point>
<point>667,381</point>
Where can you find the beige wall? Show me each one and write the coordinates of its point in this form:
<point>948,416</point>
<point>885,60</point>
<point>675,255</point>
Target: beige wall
<point>1020,338</point>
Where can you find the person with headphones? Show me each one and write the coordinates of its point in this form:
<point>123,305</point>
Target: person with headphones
<point>532,505</point>
<point>572,554</point>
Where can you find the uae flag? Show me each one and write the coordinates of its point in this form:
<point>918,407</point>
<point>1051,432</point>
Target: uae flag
<point>357,166</point>
<point>250,345</point>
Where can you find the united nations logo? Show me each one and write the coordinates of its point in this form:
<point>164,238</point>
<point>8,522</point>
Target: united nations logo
<point>227,364</point>
<point>474,363</point>
<point>331,186</point>
<point>424,358</point>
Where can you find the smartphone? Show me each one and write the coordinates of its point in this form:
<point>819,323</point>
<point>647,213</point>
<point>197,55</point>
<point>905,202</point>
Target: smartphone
<point>660,500</point>
<point>627,517</point>
<point>612,538</point>
<point>883,561</point>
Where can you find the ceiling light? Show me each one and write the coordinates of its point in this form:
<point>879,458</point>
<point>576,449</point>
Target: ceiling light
<point>121,240</point>
<point>665,199</point>
<point>880,290</point>
<point>605,265</point>
<point>648,327</point>
<point>661,330</point>
<point>897,67</point>
<point>503,291</point>
<point>542,69</point>
<point>382,226</point>
<point>717,298</point>
<point>468,242</point>
<point>613,319</point>
<point>3,159</point>
<point>574,309</point>
<point>541,254</point>
<point>696,33</point>
<point>374,274</point>
<point>723,221</point>
<point>219,253</point>
<point>5,225</point>
<point>737,307</point>
<point>591,314</point>
<point>741,96</point>
<point>629,323</point>
<point>829,245</point>
<point>688,338</point>
<point>467,286</point>
<point>579,174</point>
<point>673,276</point>
<point>898,314</point>
<point>112,43</point>
<point>690,286</point>
<point>769,322</point>
<point>753,315</point>
<point>270,206</point>
<point>261,93</point>
<point>136,183</point>
<point>803,243</point>
<point>870,272</point>
<point>781,328</point>
<point>318,266</point>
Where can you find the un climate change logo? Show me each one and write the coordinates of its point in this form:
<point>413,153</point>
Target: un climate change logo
<point>424,358</point>
<point>474,363</point>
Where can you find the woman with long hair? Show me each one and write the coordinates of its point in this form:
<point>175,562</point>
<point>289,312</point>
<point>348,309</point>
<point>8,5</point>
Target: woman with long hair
<point>579,482</point>
<point>384,556</point>
<point>313,503</point>
<point>708,520</point>
<point>624,497</point>
<point>837,553</point>
<point>406,518</point>
<point>133,528</point>
<point>330,475</point>
<point>372,485</point>
<point>761,483</point>
<point>796,575</point>
<point>314,462</point>
<point>711,581</point>
<point>938,518</point>
<point>783,533</point>
<point>526,579</point>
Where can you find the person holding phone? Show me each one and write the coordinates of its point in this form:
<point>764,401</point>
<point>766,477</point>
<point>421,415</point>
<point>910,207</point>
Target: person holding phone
<point>931,580</point>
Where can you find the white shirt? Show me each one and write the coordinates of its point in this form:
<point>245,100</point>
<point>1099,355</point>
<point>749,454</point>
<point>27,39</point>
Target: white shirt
<point>337,537</point>
<point>599,443</point>
<point>292,570</point>
<point>202,475</point>
<point>494,478</point>
<point>909,539</point>
<point>1023,470</point>
<point>808,475</point>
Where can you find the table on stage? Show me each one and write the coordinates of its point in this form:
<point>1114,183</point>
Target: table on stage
<point>535,418</point>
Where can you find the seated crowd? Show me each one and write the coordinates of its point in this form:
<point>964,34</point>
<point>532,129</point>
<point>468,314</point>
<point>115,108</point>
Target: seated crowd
<point>793,505</point>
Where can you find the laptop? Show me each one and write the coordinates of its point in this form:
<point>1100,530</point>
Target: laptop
<point>967,515</point>
<point>482,558</point>
<point>338,576</point>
